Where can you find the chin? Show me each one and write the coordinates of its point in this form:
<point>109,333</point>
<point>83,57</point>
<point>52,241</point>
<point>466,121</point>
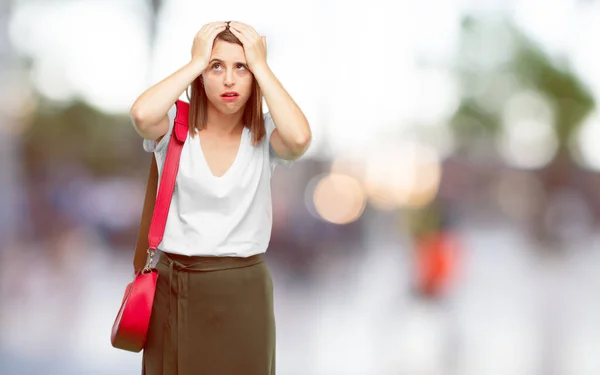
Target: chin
<point>227,110</point>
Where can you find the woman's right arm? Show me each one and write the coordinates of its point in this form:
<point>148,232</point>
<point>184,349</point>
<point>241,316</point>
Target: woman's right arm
<point>149,111</point>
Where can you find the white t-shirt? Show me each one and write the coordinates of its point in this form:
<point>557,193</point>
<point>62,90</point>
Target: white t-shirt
<point>229,215</point>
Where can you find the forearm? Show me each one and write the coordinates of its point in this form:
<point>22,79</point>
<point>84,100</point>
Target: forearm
<point>154,103</point>
<point>291,123</point>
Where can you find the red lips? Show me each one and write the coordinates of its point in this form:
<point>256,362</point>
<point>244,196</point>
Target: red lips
<point>229,94</point>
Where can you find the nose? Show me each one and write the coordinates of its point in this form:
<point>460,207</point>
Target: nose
<point>229,78</point>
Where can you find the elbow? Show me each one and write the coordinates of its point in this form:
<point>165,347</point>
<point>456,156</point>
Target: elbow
<point>138,117</point>
<point>302,143</point>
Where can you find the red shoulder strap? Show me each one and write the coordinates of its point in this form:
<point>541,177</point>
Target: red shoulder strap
<point>156,206</point>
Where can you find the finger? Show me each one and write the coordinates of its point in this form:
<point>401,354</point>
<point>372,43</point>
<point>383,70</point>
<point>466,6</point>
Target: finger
<point>249,30</point>
<point>217,29</point>
<point>235,26</point>
<point>210,27</point>
<point>238,23</point>
<point>241,24</point>
<point>218,23</point>
<point>213,35</point>
<point>243,38</point>
<point>238,30</point>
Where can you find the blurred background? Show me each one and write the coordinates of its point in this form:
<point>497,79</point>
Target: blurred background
<point>444,221</point>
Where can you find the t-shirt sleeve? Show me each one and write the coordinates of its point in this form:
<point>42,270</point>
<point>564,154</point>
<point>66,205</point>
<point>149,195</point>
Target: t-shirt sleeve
<point>274,158</point>
<point>153,146</point>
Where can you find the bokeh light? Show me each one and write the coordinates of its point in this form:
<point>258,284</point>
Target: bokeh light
<point>339,198</point>
<point>584,144</point>
<point>528,139</point>
<point>405,174</point>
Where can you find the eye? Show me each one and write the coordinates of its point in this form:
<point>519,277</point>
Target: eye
<point>216,66</point>
<point>241,66</point>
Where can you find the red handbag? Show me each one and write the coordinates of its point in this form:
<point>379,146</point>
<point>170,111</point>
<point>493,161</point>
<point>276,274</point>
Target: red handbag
<point>131,324</point>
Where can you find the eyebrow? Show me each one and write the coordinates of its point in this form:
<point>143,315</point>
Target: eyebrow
<point>223,62</point>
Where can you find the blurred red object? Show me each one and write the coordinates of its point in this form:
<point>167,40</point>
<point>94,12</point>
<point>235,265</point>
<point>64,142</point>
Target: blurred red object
<point>437,255</point>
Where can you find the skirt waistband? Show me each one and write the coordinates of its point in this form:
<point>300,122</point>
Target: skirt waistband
<point>207,263</point>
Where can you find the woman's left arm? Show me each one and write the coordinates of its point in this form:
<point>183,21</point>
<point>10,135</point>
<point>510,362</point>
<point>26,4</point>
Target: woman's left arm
<point>292,134</point>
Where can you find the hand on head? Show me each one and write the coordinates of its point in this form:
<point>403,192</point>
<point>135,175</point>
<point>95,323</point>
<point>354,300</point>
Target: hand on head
<point>204,39</point>
<point>255,46</point>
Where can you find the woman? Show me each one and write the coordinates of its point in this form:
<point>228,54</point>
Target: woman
<point>213,308</point>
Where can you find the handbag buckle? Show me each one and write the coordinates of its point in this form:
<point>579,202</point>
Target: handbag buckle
<point>149,263</point>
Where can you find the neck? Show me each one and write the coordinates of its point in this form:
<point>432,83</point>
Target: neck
<point>223,124</point>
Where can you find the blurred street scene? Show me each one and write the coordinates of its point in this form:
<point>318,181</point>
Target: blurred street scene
<point>444,221</point>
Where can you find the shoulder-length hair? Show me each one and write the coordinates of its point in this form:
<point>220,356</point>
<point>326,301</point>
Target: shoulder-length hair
<point>253,112</point>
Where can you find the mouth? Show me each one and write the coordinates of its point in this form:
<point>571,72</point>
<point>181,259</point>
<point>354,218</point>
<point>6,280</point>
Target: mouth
<point>230,95</point>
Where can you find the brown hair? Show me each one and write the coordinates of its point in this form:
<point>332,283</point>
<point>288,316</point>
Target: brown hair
<point>253,114</point>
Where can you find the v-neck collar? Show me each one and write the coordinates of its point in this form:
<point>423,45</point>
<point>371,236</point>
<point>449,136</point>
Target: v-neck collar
<point>238,155</point>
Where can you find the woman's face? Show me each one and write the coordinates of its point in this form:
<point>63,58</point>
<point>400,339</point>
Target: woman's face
<point>227,80</point>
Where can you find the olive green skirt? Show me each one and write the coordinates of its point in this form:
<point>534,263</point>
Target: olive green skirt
<point>211,315</point>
